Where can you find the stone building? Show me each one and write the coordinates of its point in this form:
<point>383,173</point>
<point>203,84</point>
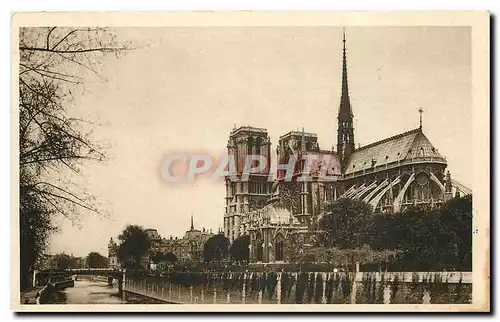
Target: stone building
<point>281,218</point>
<point>243,195</point>
<point>189,247</point>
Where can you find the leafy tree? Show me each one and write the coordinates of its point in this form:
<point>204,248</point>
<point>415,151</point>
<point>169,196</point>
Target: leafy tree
<point>54,63</point>
<point>35,229</point>
<point>134,245</point>
<point>239,249</point>
<point>417,234</point>
<point>96,260</point>
<point>216,248</point>
<point>170,258</point>
<point>343,257</point>
<point>416,238</point>
<point>159,257</point>
<point>456,216</point>
<point>63,261</point>
<point>345,224</point>
<point>428,239</point>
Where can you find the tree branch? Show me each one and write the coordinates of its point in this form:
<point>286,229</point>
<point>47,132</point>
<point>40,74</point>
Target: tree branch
<point>101,49</point>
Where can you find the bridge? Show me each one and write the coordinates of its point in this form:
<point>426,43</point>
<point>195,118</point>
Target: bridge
<point>45,277</point>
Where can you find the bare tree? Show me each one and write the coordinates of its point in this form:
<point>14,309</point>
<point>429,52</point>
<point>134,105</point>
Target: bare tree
<point>54,64</point>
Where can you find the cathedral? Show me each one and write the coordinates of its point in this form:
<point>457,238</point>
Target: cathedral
<point>281,216</point>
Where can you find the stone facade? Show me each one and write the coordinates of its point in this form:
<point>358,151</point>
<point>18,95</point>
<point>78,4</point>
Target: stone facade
<point>243,195</point>
<point>189,247</point>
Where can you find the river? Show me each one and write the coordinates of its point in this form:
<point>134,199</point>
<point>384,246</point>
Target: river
<point>92,292</point>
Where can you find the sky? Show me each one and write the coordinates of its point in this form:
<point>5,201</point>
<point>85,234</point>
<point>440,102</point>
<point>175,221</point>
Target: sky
<point>187,89</point>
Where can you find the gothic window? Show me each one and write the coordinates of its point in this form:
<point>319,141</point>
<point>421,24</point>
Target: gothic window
<point>279,248</point>
<point>257,146</point>
<point>249,145</point>
<point>259,250</point>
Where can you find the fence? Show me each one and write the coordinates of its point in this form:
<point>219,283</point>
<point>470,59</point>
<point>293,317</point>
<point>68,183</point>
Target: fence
<point>313,287</point>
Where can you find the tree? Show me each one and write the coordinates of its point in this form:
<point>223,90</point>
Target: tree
<point>134,245</point>
<point>456,216</point>
<point>345,223</point>
<point>343,257</point>
<point>96,260</point>
<point>63,261</point>
<point>159,257</point>
<point>156,257</point>
<point>170,258</point>
<point>215,248</point>
<point>427,239</point>
<point>239,249</point>
<point>54,63</point>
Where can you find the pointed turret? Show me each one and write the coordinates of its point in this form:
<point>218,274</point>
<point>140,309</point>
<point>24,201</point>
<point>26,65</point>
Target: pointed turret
<point>345,131</point>
<point>192,224</point>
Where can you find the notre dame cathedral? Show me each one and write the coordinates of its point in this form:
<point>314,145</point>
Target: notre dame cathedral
<point>390,174</point>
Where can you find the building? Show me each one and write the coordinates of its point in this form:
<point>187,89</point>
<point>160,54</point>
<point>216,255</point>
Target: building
<point>189,247</point>
<point>281,219</point>
<point>113,261</point>
<point>242,195</point>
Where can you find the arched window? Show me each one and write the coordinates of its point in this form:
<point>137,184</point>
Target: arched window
<point>279,248</point>
<point>249,145</point>
<point>258,143</point>
<point>258,248</point>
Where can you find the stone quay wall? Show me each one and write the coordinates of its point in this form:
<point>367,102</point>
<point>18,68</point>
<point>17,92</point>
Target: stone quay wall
<point>305,287</point>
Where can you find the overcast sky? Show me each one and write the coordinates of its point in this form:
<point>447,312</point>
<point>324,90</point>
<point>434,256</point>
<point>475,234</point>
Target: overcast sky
<point>188,88</point>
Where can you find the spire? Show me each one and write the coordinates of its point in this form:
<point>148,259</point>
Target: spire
<point>345,104</point>
<point>345,130</point>
<point>192,225</point>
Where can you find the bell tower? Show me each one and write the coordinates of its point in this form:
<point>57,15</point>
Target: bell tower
<point>345,130</point>
<point>245,194</point>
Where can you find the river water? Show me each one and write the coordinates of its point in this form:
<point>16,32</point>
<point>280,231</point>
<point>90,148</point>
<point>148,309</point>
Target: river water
<point>92,292</point>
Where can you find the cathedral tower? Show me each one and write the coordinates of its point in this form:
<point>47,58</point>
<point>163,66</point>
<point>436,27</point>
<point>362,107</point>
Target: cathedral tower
<point>244,195</point>
<point>345,131</point>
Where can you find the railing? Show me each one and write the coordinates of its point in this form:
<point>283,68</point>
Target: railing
<point>312,287</point>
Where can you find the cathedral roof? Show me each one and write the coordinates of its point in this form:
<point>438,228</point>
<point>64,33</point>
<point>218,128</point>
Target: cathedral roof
<point>406,146</point>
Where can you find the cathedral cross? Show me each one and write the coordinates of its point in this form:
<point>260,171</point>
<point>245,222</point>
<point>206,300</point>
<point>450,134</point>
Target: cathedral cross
<point>420,111</point>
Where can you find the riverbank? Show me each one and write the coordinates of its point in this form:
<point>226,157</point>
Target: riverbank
<point>31,296</point>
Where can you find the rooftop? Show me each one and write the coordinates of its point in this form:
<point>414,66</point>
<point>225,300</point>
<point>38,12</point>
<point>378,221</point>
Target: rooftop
<point>249,128</point>
<point>298,133</point>
<point>408,145</point>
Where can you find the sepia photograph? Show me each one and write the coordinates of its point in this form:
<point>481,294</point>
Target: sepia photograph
<point>250,162</point>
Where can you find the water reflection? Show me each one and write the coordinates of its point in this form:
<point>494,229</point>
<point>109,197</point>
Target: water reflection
<point>87,292</point>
